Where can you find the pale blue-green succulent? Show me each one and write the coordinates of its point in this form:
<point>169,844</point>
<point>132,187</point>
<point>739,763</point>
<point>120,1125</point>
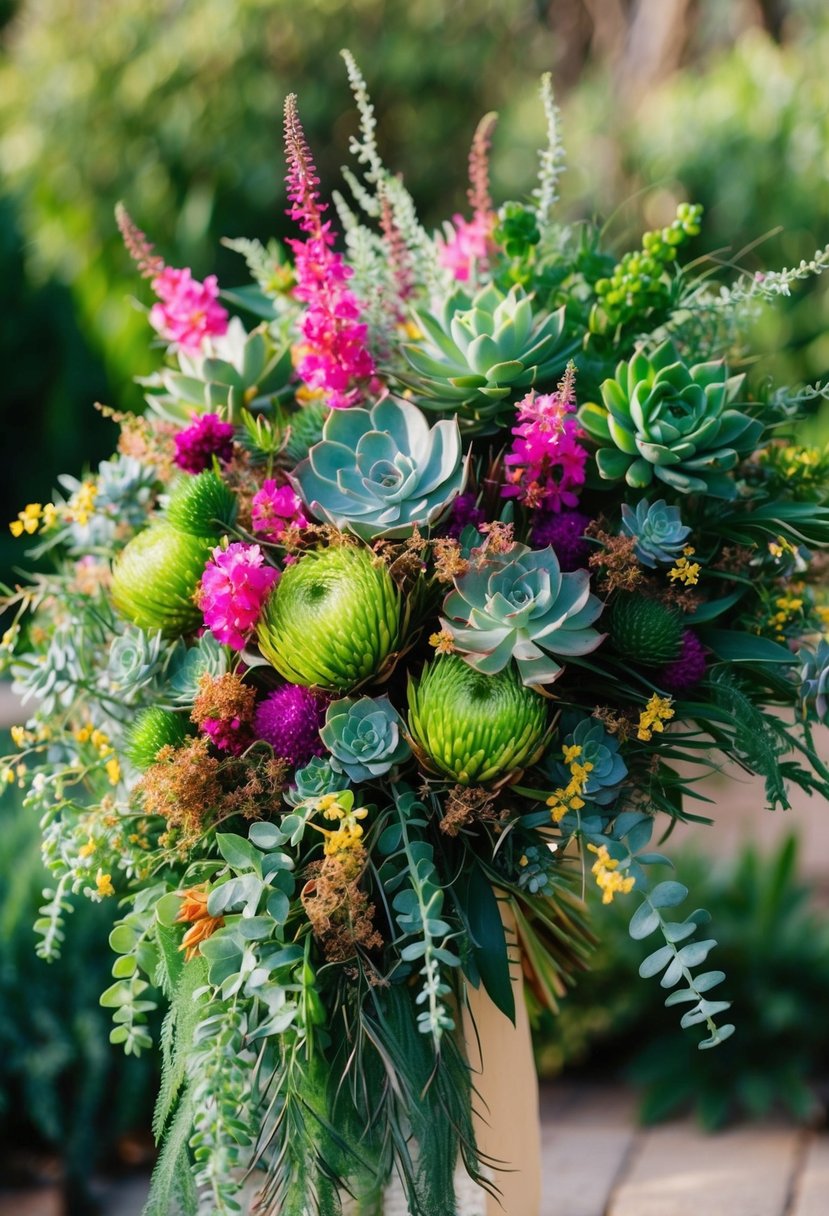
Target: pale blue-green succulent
<point>662,419</point>
<point>658,530</point>
<point>364,737</point>
<point>477,354</point>
<point>600,750</point>
<point>518,605</point>
<point>382,471</point>
<point>814,676</point>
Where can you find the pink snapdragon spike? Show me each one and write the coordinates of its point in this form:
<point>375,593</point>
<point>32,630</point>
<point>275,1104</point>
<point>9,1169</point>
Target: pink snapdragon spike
<point>276,508</point>
<point>466,252</point>
<point>198,443</point>
<point>235,584</point>
<point>333,356</point>
<point>187,314</point>
<point>546,467</point>
<point>290,719</point>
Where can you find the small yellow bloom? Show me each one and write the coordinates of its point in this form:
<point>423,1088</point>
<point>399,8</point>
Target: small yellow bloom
<point>653,717</point>
<point>28,520</point>
<point>443,642</point>
<point>113,771</point>
<point>104,884</point>
<point>8,776</point>
<point>20,736</point>
<point>523,860</point>
<point>83,734</point>
<point>571,753</point>
<point>609,881</point>
<point>82,504</point>
<point>86,850</point>
<point>686,572</point>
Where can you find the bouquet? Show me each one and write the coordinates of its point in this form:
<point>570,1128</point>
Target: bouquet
<point>424,593</point>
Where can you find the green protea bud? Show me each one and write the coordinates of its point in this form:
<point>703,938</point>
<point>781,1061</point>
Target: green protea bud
<point>473,727</point>
<point>155,578</point>
<point>153,729</point>
<point>202,505</point>
<point>332,620</point>
<point>645,631</point>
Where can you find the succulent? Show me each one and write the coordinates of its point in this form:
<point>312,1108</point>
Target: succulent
<point>382,471</point>
<point>474,728</point>
<point>246,371</point>
<point>519,605</point>
<point>135,658</point>
<point>124,488</point>
<point>332,620</point>
<point>153,729</point>
<point>658,530</point>
<point>599,749</point>
<point>663,419</point>
<point>155,578</point>
<point>645,631</point>
<point>189,663</point>
<point>202,505</point>
<point>314,780</point>
<point>479,352</point>
<point>365,737</point>
<point>52,676</point>
<point>814,675</point>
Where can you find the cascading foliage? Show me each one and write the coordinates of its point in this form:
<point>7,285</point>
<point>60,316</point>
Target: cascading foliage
<point>455,552</point>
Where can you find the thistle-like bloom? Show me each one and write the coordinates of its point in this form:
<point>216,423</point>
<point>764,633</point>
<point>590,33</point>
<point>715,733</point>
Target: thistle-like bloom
<point>546,466</point>
<point>688,667</point>
<point>198,443</point>
<point>364,737</point>
<point>274,509</point>
<point>566,533</point>
<point>334,355</point>
<point>234,586</point>
<point>290,719</point>
<point>658,530</point>
<point>381,472</point>
<point>519,605</point>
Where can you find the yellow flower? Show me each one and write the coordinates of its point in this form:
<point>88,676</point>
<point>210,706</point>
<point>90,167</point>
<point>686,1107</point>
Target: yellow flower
<point>608,879</point>
<point>20,736</point>
<point>28,520</point>
<point>104,884</point>
<point>653,717</point>
<point>86,850</point>
<point>113,771</point>
<point>8,776</point>
<point>443,642</point>
<point>686,572</point>
<point>571,753</point>
<point>82,504</point>
<point>83,734</point>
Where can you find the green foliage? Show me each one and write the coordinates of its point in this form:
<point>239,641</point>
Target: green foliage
<point>773,946</point>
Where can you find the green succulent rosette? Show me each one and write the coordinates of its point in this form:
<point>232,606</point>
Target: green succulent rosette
<point>478,353</point>
<point>382,471</point>
<point>657,529</point>
<point>333,620</point>
<point>662,419</point>
<point>474,728</point>
<point>154,580</point>
<point>365,737</point>
<point>518,605</point>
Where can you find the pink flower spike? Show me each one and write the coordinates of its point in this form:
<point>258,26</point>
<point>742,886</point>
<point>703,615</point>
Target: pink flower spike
<point>466,251</point>
<point>235,584</point>
<point>188,312</point>
<point>546,467</point>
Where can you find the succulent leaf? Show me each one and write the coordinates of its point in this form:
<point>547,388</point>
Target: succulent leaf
<point>658,530</point>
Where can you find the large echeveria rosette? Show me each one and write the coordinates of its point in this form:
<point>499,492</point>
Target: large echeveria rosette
<point>478,352</point>
<point>333,619</point>
<point>518,605</point>
<point>382,471</point>
<point>472,727</point>
<point>662,419</point>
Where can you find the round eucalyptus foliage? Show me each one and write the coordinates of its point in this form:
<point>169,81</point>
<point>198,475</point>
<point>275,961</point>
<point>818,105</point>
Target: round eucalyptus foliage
<point>645,631</point>
<point>364,737</point>
<point>598,749</point>
<point>153,729</point>
<point>332,620</point>
<point>154,579</point>
<point>658,530</point>
<point>382,471</point>
<point>661,419</point>
<point>518,605</point>
<point>474,728</point>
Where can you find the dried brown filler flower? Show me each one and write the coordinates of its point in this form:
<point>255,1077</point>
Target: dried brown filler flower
<point>255,790</point>
<point>449,561</point>
<point>224,698</point>
<point>182,786</point>
<point>618,566</point>
<point>465,804</point>
<point>341,915</point>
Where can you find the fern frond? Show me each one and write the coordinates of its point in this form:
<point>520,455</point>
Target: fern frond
<point>173,1190</point>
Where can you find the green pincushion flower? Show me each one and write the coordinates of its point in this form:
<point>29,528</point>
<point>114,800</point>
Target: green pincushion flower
<point>518,605</point>
<point>472,727</point>
<point>478,353</point>
<point>333,619</point>
<point>382,471</point>
<point>661,419</point>
<point>645,631</point>
<point>203,505</point>
<point>155,578</point>
<point>153,729</point>
<point>364,737</point>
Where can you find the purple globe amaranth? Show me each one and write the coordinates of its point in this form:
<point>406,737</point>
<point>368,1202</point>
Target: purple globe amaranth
<point>688,667</point>
<point>290,719</point>
<point>565,532</point>
<point>519,605</point>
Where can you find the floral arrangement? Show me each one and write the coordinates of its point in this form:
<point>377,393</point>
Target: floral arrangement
<point>407,608</point>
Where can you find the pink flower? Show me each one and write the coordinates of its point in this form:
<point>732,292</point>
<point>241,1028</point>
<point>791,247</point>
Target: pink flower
<point>235,584</point>
<point>546,467</point>
<point>188,311</point>
<point>228,734</point>
<point>333,356</point>
<point>274,509</point>
<point>207,437</point>
<point>467,250</point>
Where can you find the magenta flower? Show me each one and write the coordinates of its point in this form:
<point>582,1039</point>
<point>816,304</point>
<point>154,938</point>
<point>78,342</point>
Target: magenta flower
<point>274,509</point>
<point>688,668</point>
<point>205,438</point>
<point>231,735</point>
<point>333,356</point>
<point>465,253</point>
<point>546,467</point>
<point>234,586</point>
<point>187,312</point>
<point>290,719</point>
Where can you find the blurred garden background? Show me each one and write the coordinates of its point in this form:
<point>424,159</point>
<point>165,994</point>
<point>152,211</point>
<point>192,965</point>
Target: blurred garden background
<point>175,107</point>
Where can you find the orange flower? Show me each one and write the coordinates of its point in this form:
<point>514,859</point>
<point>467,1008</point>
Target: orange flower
<point>193,911</point>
